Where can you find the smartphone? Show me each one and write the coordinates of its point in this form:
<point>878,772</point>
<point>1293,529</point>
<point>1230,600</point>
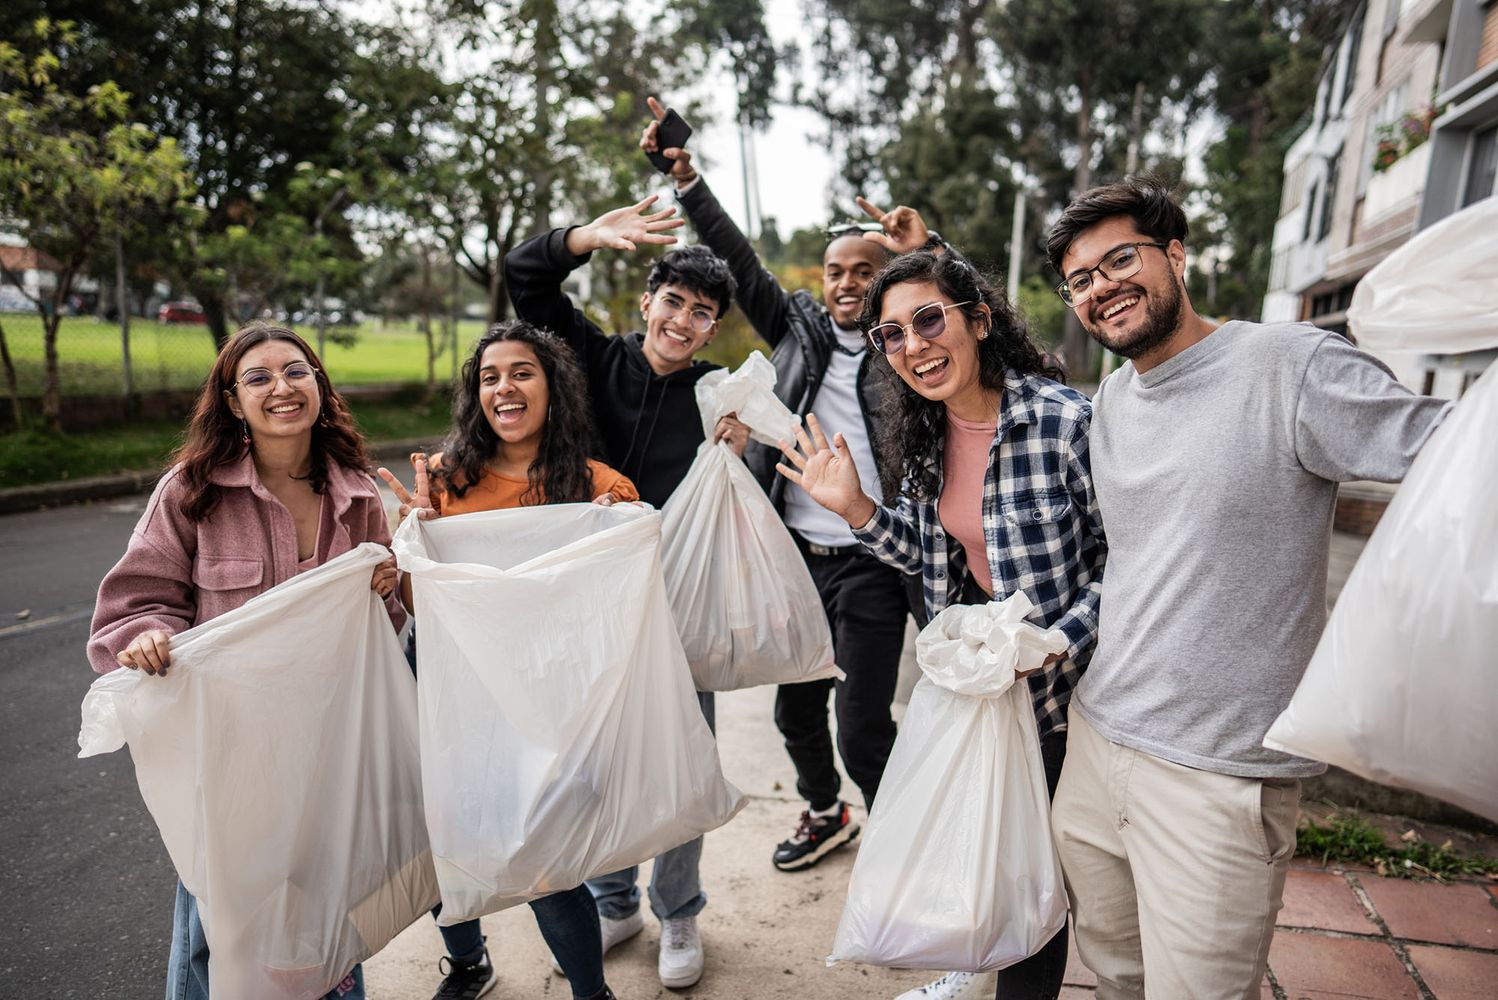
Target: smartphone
<point>673,133</point>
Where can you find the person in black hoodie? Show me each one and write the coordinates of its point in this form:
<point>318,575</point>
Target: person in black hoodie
<point>823,364</point>
<point>643,391</point>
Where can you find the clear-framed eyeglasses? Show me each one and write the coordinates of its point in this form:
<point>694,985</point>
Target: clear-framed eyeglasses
<point>698,319</point>
<point>261,381</point>
<point>928,322</point>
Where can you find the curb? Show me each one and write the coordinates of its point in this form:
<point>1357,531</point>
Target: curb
<point>44,495</point>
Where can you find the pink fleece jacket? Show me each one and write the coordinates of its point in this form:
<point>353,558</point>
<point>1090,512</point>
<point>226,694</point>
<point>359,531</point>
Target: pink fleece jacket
<point>176,573</point>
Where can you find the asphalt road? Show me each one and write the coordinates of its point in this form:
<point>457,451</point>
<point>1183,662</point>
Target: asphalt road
<point>85,885</point>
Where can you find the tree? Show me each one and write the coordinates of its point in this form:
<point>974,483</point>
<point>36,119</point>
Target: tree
<point>71,168</point>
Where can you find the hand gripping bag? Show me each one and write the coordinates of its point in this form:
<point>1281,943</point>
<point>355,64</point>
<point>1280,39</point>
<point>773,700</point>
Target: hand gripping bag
<point>1401,688</point>
<point>957,869</point>
<point>560,736</point>
<point>744,602</point>
<point>278,757</point>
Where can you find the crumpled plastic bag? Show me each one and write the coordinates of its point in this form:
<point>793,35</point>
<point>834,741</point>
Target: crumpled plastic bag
<point>1438,293</point>
<point>560,736</point>
<point>743,600</point>
<point>279,759</point>
<point>1403,687</point>
<point>957,869</point>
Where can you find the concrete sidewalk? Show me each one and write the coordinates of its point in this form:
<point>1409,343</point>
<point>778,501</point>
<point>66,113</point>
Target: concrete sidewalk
<point>1344,931</point>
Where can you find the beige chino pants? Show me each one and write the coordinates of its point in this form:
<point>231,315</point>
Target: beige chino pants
<point>1175,874</point>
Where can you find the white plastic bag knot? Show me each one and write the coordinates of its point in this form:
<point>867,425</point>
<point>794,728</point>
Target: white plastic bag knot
<point>749,392</point>
<point>977,649</point>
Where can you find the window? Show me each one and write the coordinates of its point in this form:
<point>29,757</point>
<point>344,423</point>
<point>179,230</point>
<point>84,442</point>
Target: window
<point>1305,235</point>
<point>1329,200</point>
<point>1354,49</point>
<point>1482,165</point>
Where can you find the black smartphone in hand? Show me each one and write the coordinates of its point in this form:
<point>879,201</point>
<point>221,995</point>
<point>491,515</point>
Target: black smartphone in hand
<point>672,133</point>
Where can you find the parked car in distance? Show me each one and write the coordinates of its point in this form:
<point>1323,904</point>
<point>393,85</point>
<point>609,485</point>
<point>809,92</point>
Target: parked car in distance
<point>181,312</point>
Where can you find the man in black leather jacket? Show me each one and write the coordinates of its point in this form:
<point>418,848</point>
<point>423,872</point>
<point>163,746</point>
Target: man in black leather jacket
<point>824,366</point>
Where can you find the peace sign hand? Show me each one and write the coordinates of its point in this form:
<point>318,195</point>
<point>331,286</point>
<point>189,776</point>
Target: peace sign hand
<point>624,229</point>
<point>682,171</point>
<point>419,502</point>
<point>904,229</point>
<point>827,473</point>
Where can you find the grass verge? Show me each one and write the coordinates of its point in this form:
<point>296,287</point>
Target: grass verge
<point>30,457</point>
<point>1347,837</point>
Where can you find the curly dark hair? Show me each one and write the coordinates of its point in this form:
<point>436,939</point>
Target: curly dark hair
<point>1144,198</point>
<point>559,473</point>
<point>697,269</point>
<point>911,439</point>
<point>215,436</point>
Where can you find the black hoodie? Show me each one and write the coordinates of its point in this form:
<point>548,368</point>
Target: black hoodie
<point>648,423</point>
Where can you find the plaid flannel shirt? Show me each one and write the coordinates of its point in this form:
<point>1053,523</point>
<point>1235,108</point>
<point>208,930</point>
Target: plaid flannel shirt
<point>1041,523</point>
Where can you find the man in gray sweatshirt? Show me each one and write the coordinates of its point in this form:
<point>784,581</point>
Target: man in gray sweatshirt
<point>1216,454</point>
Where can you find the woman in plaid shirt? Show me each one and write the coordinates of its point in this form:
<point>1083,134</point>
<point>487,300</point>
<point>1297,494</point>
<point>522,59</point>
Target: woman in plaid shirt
<point>996,496</point>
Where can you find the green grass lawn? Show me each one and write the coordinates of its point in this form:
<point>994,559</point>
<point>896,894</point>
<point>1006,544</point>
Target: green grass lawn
<point>34,456</point>
<point>177,356</point>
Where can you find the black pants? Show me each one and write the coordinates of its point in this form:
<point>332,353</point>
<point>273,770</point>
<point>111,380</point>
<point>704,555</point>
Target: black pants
<point>1039,976</point>
<point>865,604</point>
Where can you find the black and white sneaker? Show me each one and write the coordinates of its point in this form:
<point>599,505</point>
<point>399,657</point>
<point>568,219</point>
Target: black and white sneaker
<point>815,838</point>
<point>466,982</point>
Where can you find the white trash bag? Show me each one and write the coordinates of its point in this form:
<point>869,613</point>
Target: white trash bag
<point>278,757</point>
<point>560,735</point>
<point>744,602</point>
<point>1403,688</point>
<point>957,869</point>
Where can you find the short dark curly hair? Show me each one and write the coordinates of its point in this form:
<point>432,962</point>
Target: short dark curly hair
<point>696,269</point>
<point>1144,198</point>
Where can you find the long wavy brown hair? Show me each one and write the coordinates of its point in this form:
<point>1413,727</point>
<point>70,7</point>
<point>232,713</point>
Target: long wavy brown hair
<point>215,436</point>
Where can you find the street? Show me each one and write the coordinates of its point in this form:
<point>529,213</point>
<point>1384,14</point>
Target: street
<point>85,885</point>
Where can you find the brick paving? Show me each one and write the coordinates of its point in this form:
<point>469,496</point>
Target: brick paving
<point>1345,932</point>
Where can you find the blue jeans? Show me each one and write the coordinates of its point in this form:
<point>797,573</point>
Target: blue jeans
<point>187,965</point>
<point>676,881</point>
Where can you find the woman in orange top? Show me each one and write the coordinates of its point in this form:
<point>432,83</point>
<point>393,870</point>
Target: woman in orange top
<point>521,437</point>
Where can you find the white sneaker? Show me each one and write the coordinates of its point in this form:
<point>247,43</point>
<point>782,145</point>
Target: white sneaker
<point>957,986</point>
<point>614,932</point>
<point>681,958</point>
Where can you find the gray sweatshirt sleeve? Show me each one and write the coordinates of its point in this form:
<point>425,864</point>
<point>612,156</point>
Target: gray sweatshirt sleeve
<point>1354,420</point>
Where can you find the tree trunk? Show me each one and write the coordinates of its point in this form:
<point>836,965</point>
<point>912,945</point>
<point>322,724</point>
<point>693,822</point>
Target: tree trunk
<point>213,308</point>
<point>52,391</point>
<point>453,309</point>
<point>426,325</point>
<point>1076,345</point>
<point>12,384</point>
<point>122,305</point>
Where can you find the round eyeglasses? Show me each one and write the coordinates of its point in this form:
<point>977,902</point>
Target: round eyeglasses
<point>698,319</point>
<point>1123,261</point>
<point>260,381</point>
<point>928,322</point>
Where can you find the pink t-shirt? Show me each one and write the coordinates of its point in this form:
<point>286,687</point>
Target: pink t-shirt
<point>960,507</point>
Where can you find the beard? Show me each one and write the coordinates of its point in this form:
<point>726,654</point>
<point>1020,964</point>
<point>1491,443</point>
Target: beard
<point>1162,317</point>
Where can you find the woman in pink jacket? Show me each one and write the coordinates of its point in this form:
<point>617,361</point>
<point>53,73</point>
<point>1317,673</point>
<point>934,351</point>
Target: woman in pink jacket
<point>272,480</point>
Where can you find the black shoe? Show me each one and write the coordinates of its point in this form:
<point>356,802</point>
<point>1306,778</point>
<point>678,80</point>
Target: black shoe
<point>466,982</point>
<point>814,839</point>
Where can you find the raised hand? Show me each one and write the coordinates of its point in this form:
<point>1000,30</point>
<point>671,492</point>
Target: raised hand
<point>420,501</point>
<point>149,651</point>
<point>904,229</point>
<point>826,473</point>
<point>682,171</point>
<point>625,228</point>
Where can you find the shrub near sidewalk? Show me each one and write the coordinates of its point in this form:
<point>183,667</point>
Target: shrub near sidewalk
<point>33,456</point>
<point>1347,837</point>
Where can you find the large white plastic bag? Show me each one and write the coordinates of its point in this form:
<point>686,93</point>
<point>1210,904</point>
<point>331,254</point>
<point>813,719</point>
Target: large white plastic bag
<point>957,869</point>
<point>1438,293</point>
<point>278,757</point>
<point>743,599</point>
<point>560,736</point>
<point>1403,688</point>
